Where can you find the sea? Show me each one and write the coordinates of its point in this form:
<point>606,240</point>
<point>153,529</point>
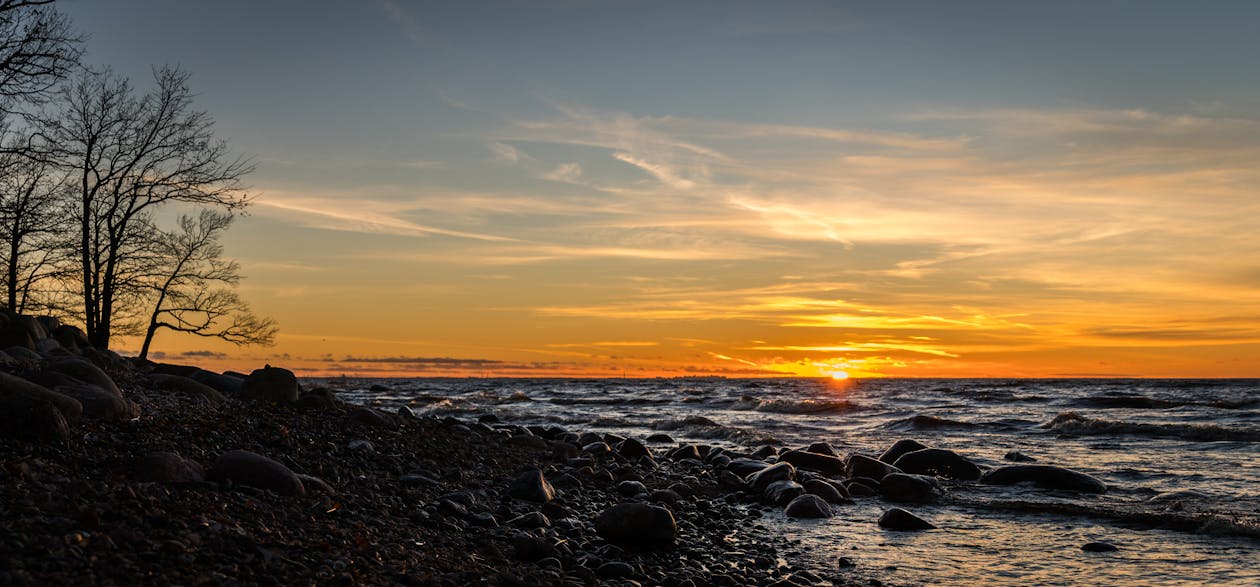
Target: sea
<point>1181,459</point>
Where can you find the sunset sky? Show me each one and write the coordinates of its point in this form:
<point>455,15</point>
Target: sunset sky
<point>737,188</point>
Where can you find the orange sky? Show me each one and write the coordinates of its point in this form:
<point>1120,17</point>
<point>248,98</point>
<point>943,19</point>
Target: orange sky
<point>798,188</point>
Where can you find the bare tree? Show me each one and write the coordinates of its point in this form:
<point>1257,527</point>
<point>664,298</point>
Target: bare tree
<point>33,225</point>
<point>129,155</point>
<point>38,47</point>
<point>185,292</point>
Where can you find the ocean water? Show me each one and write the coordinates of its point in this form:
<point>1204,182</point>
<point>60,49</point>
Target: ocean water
<point>1181,459</point>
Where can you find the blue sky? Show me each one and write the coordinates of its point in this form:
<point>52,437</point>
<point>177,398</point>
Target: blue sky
<point>806,187</point>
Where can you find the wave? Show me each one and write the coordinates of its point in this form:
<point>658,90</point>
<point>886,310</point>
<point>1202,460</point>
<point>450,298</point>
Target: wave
<point>1139,402</point>
<point>704,428</point>
<point>1130,515</point>
<point>921,422</point>
<point>607,401</point>
<point>793,406</point>
<point>1078,425</point>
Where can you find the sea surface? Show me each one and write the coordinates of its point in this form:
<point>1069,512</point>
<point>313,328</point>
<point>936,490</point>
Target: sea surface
<point>1181,459</point>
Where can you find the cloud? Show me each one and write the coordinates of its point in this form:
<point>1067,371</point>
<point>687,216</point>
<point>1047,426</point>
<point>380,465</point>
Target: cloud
<point>357,215</point>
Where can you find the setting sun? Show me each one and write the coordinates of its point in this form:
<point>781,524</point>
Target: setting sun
<point>839,375</point>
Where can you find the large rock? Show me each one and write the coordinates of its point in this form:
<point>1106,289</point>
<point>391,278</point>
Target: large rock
<point>909,488</point>
<point>271,384</point>
<point>864,466</point>
<point>223,383</point>
<point>637,525</point>
<point>781,492</point>
<point>71,338</point>
<point>532,486</point>
<point>899,519</point>
<point>246,468</point>
<point>745,467</point>
<point>168,467</point>
<point>373,418</point>
<point>1045,477</point>
<point>15,387</point>
<point>939,462</point>
<point>31,418</point>
<point>762,479</point>
<point>828,491</point>
<point>85,372</point>
<point>633,449</point>
<point>899,448</point>
<point>99,404</point>
<point>808,506</point>
<point>188,387</point>
<point>812,461</point>
<point>13,334</point>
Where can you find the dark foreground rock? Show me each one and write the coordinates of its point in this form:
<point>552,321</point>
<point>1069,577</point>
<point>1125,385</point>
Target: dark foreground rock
<point>637,525</point>
<point>902,520</point>
<point>243,467</point>
<point>1045,477</point>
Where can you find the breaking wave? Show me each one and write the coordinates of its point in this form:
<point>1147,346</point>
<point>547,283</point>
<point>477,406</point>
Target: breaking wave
<point>1078,425</point>
<point>702,427</point>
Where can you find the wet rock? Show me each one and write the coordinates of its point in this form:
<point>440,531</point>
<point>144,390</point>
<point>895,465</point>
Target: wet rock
<point>188,387</point>
<point>762,479</point>
<point>418,480</point>
<point>745,467</point>
<point>688,451</point>
<point>167,467</point>
<point>899,448</point>
<point>633,449</point>
<point>822,448</point>
<point>630,488</point>
<point>531,548</point>
<point>1018,457</point>
<point>99,404</point>
<point>271,384</point>
<point>243,467</point>
<point>637,525</point>
<point>528,441</point>
<point>1045,477</point>
<point>316,399</point>
<point>665,496</point>
<point>827,491</point>
<point>29,410</point>
<point>808,506</point>
<point>660,438</point>
<point>614,570</point>
<point>864,466</point>
<point>902,520</point>
<point>781,492</point>
<point>362,446</point>
<point>827,465</point>
<point>532,486</point>
<point>597,449</point>
<point>860,489</point>
<point>371,418</point>
<point>1098,547</point>
<point>222,383</point>
<point>530,521</point>
<point>909,488</point>
<point>939,462</point>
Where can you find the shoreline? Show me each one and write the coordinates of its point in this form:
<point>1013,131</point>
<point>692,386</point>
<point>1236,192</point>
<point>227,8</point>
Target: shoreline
<point>147,488</point>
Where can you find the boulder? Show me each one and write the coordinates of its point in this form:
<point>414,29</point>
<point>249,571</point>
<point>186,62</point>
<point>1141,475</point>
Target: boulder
<point>899,448</point>
<point>781,492</point>
<point>630,488</point>
<point>633,449</point>
<point>271,384</point>
<point>822,448</point>
<point>12,386</point>
<point>13,335</point>
<point>99,404</point>
<point>530,548</point>
<point>637,525</point>
<point>745,467</point>
<point>808,506</point>
<point>828,491</point>
<point>167,467</point>
<point>762,479</point>
<point>530,521</point>
<point>188,387</point>
<point>532,486</point>
<point>859,489</point>
<point>317,399</point>
<point>372,418</point>
<point>901,520</point>
<point>223,383</point>
<point>909,488</point>
<point>242,467</point>
<point>1017,457</point>
<point>23,354</point>
<point>864,466</point>
<point>314,484</point>
<point>31,418</point>
<point>1098,547</point>
<point>85,372</point>
<point>812,461</point>
<point>71,338</point>
<point>939,462</point>
<point>660,438</point>
<point>1045,477</point>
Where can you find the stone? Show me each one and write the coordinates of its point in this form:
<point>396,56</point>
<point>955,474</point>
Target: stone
<point>188,387</point>
<point>745,467</point>
<point>630,488</point>
<point>660,438</point>
<point>781,492</point>
<point>637,525</point>
<point>70,338</point>
<point>812,461</point>
<point>597,449</point>
<point>899,448</point>
<point>614,570</point>
<point>271,384</point>
<point>314,484</point>
<point>85,372</point>
<point>532,486</point>
<point>687,451</point>
<point>99,404</point>
<point>909,488</point>
<point>530,521</point>
<point>808,506</point>
<point>633,449</point>
<point>1098,547</point>
<point>363,446</point>
<point>902,520</point>
<point>317,399</point>
<point>1045,477</point>
<point>221,382</point>
<point>665,496</point>
<point>1017,457</point>
<point>864,466</point>
<point>939,462</point>
<point>12,387</point>
<point>859,489</point>
<point>371,418</point>
<point>531,548</point>
<point>243,467</point>
<point>827,491</point>
<point>822,448</point>
<point>167,467</point>
<point>762,479</point>
<point>23,354</point>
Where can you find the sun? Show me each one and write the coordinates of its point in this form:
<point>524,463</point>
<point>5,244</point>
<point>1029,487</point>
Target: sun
<point>838,375</point>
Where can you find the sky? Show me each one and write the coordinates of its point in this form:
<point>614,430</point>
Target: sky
<point>627,188</point>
